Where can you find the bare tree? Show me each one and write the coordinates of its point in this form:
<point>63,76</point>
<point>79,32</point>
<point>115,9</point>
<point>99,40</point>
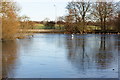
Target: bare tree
<point>79,12</point>
<point>103,11</point>
<point>117,22</point>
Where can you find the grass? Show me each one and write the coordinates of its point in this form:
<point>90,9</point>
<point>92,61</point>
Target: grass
<point>41,26</point>
<point>89,28</point>
<point>94,27</point>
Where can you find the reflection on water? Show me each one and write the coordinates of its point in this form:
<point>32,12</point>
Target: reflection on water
<point>9,56</point>
<point>62,56</point>
<point>93,52</point>
<point>104,56</point>
<point>0,59</point>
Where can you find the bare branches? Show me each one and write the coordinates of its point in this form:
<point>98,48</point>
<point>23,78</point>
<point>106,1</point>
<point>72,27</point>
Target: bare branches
<point>78,10</point>
<point>103,11</point>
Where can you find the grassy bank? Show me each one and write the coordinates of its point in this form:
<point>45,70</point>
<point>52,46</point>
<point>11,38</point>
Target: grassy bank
<point>42,26</point>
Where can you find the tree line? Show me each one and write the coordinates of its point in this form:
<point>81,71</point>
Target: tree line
<point>105,15</point>
<point>80,14</point>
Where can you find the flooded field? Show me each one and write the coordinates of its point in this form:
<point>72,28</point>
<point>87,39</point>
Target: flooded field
<point>62,56</point>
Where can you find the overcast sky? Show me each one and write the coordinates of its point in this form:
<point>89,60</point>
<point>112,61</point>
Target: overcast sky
<point>38,10</point>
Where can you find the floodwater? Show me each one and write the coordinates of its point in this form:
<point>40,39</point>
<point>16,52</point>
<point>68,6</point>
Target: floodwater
<point>62,56</point>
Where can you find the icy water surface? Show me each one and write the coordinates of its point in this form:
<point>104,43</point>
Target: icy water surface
<point>62,56</point>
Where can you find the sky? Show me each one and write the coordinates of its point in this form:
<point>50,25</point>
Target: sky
<point>38,10</point>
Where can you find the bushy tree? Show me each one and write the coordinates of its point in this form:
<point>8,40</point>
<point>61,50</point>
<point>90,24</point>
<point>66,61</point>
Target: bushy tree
<point>10,23</point>
<point>50,25</point>
<point>60,22</point>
